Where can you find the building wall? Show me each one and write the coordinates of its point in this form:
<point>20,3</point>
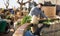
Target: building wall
<point>57,2</point>
<point>52,1</point>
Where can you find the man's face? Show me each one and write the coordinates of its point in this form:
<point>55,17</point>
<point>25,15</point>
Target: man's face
<point>39,6</point>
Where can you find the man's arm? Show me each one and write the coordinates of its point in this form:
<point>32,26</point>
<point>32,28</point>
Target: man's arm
<point>43,15</point>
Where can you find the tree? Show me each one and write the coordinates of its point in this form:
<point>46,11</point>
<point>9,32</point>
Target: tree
<point>6,4</point>
<point>21,4</point>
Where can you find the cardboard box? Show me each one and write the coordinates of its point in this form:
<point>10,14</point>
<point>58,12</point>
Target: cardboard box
<point>49,11</point>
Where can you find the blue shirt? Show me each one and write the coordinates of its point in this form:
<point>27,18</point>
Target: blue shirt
<point>36,11</point>
<point>28,33</point>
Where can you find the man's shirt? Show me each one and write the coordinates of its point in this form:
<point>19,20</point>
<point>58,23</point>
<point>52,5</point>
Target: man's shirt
<point>37,12</point>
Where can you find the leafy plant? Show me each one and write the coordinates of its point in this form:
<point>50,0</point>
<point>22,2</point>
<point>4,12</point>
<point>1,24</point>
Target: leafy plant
<point>26,19</point>
<point>47,22</point>
<point>18,23</point>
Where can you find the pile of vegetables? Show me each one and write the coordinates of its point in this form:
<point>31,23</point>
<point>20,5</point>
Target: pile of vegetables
<point>26,19</point>
<point>47,22</point>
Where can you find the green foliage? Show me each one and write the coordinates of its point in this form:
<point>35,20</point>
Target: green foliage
<point>26,19</point>
<point>7,17</point>
<point>18,23</point>
<point>47,22</point>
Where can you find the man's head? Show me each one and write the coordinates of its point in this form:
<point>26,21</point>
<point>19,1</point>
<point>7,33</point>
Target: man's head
<point>39,5</point>
<point>29,0</point>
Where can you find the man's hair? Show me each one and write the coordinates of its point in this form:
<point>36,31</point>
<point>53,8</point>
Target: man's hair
<point>40,4</point>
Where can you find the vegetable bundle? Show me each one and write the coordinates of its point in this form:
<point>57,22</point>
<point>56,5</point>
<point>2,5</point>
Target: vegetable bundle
<point>26,19</point>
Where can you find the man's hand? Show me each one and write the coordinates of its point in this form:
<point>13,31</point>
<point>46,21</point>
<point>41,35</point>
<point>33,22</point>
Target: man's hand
<point>47,18</point>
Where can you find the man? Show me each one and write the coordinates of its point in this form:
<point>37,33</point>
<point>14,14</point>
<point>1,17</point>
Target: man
<point>37,11</point>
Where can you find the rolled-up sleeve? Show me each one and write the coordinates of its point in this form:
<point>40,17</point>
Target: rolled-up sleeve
<point>42,14</point>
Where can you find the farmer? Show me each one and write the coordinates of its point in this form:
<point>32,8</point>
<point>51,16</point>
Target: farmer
<point>36,12</point>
